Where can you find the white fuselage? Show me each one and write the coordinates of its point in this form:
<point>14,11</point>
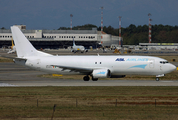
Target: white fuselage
<point>118,65</point>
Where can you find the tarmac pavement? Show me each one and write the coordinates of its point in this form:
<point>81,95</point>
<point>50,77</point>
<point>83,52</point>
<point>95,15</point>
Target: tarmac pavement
<point>12,74</point>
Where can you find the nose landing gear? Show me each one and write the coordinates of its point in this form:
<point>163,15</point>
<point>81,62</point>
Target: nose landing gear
<point>87,78</point>
<point>157,78</point>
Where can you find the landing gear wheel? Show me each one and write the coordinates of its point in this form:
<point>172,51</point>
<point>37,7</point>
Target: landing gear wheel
<point>86,78</point>
<point>157,79</point>
<point>94,79</point>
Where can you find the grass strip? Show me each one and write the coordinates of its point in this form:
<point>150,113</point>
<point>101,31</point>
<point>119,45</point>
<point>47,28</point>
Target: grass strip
<point>89,102</point>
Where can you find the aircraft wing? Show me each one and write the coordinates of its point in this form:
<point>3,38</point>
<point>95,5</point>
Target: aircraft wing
<point>75,69</point>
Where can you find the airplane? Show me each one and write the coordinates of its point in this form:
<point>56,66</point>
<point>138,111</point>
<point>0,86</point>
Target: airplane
<point>76,48</point>
<point>13,48</point>
<point>95,66</point>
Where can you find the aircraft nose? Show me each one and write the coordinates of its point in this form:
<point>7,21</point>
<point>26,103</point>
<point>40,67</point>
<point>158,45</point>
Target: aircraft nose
<point>82,48</point>
<point>172,67</point>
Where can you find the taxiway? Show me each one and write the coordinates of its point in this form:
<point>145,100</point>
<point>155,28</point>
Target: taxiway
<point>12,74</point>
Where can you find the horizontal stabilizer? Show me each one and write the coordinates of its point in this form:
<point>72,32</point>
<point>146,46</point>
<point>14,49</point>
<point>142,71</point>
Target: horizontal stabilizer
<point>20,58</point>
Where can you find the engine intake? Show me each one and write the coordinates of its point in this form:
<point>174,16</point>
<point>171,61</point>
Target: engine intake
<point>101,73</point>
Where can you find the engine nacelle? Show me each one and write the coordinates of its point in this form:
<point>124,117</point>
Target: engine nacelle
<point>101,73</point>
<point>86,50</point>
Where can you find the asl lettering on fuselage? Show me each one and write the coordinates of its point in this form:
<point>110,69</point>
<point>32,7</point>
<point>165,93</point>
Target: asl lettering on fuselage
<point>120,59</point>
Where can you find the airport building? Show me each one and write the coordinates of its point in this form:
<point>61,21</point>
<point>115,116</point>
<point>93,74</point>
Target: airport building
<point>54,39</point>
<point>158,46</point>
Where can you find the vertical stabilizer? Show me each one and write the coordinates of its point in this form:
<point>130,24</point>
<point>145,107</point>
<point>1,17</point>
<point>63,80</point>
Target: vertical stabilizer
<point>23,47</point>
<point>12,43</point>
<point>73,42</point>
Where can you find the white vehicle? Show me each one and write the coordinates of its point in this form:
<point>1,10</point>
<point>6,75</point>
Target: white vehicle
<point>94,66</point>
<point>76,48</point>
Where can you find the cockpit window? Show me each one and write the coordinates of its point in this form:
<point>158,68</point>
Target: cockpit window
<point>164,62</point>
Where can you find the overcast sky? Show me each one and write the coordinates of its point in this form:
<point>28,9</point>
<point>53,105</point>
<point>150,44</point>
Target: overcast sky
<point>52,14</point>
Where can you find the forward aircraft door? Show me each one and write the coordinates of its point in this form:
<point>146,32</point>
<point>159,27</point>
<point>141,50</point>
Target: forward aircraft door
<point>151,63</point>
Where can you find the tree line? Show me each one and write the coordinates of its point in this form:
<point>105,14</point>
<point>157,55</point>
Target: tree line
<point>133,35</point>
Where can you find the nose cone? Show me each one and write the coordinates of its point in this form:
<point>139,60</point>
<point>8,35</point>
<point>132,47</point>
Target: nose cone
<point>172,67</point>
<point>167,68</point>
<point>82,48</point>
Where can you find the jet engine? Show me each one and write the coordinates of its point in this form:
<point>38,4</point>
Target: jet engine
<point>101,73</point>
<point>86,50</point>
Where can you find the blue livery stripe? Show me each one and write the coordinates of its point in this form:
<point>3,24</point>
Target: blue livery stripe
<point>101,73</point>
<point>139,66</point>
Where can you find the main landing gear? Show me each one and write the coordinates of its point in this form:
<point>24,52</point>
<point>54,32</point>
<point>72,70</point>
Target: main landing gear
<point>94,79</point>
<point>87,78</point>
